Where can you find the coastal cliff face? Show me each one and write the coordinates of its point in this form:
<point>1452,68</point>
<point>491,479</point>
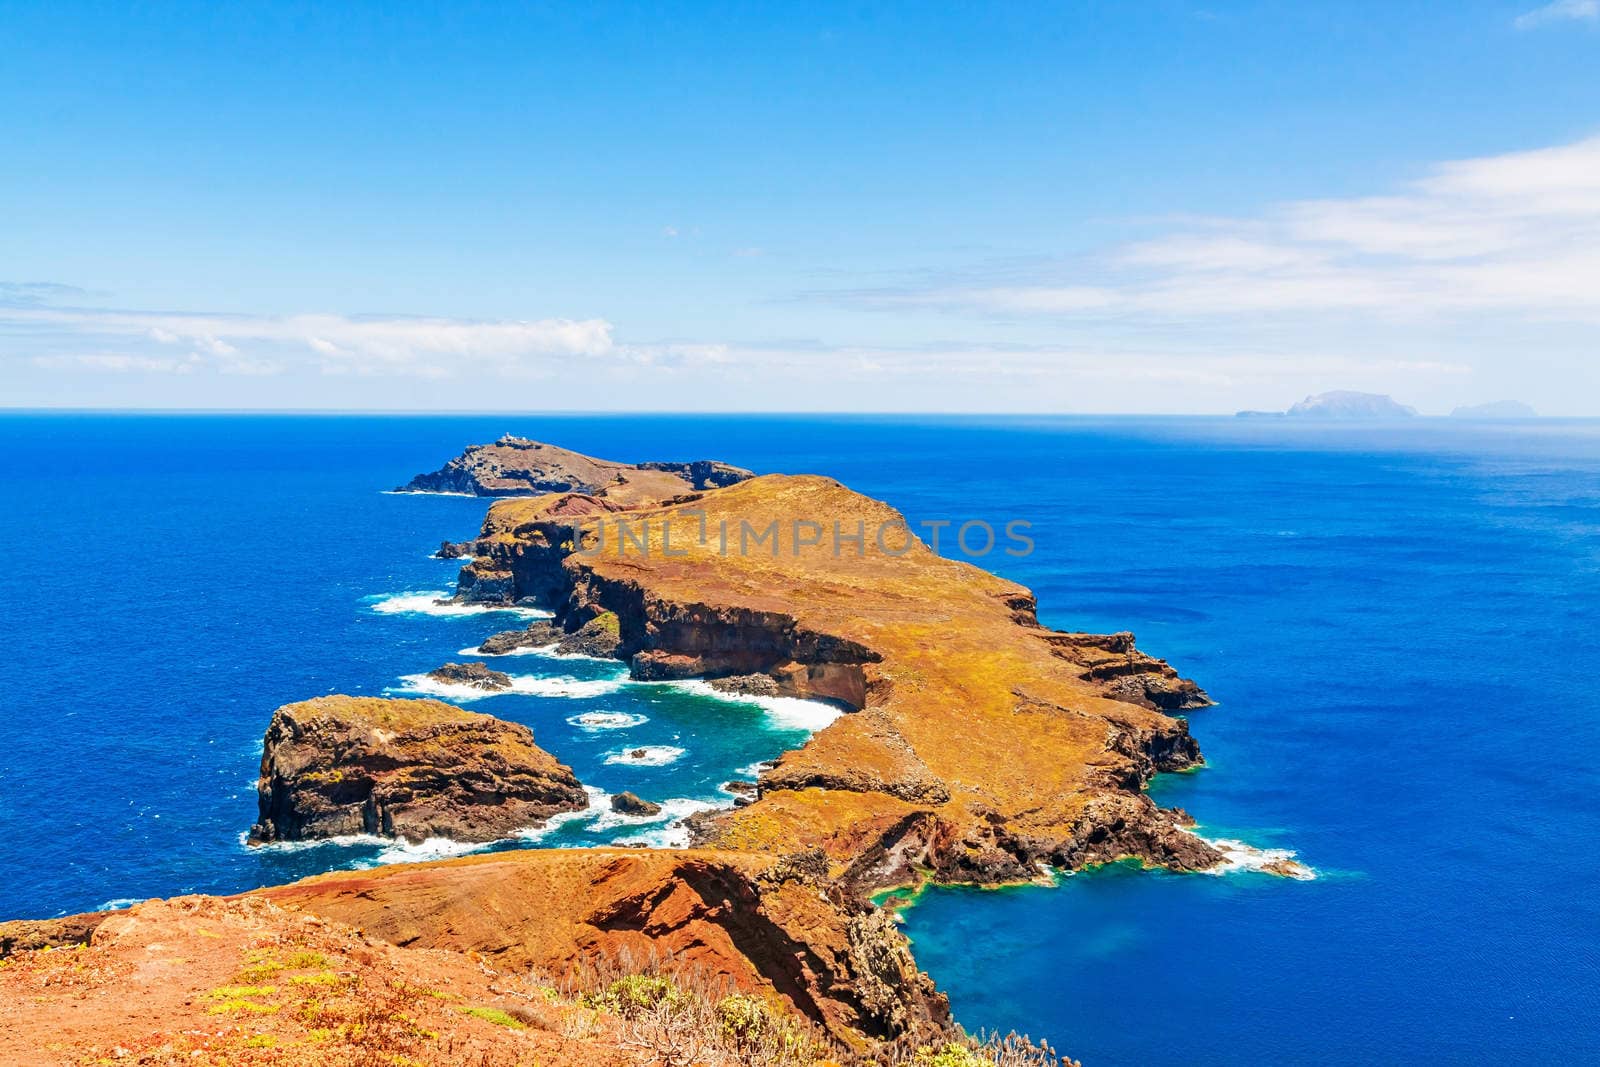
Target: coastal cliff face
<point>409,769</point>
<point>516,466</point>
<point>421,959</point>
<point>981,745</point>
<point>765,924</point>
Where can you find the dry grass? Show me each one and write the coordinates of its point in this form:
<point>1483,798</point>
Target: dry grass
<point>670,1014</point>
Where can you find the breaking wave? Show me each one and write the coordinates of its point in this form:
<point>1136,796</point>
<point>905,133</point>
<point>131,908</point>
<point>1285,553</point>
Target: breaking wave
<point>665,829</point>
<point>525,650</point>
<point>524,684</point>
<point>607,720</point>
<point>782,713</point>
<point>438,604</point>
<point>1238,856</point>
<point>645,755</point>
<point>119,903</point>
<point>599,805</point>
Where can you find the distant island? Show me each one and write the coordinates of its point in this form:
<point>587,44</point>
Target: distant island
<point>1340,404</point>
<point>1498,409</point>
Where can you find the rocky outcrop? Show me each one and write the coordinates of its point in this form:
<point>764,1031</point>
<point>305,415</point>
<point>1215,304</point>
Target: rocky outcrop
<point>28,935</point>
<point>599,636</point>
<point>981,744</point>
<point>473,675</point>
<point>632,804</point>
<point>1122,672</point>
<point>754,685</point>
<point>410,769</point>
<point>540,634</point>
<point>516,466</point>
<point>776,925</point>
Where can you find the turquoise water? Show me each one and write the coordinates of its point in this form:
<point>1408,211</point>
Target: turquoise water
<point>1398,623</point>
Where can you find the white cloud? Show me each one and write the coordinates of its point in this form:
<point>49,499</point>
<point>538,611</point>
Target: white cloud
<point>247,344</point>
<point>1515,235</point>
<point>117,363</point>
<point>1560,11</point>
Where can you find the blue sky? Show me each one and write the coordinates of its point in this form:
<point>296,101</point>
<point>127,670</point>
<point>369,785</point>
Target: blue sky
<point>1082,207</point>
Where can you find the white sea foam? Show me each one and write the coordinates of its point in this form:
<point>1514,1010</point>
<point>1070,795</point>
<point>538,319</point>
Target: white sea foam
<point>755,770</point>
<point>524,650</point>
<point>342,841</point>
<point>599,804</point>
<point>542,651</point>
<point>567,686</point>
<point>390,850</point>
<point>782,713</point>
<point>607,720</point>
<point>549,652</point>
<point>524,684</point>
<point>666,829</point>
<point>433,848</point>
<point>1238,856</point>
<point>426,492</point>
<point>647,755</point>
<point>437,603</point>
<point>119,903</point>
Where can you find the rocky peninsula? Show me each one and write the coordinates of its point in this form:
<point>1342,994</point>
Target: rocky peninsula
<point>977,746</point>
<point>980,745</point>
<point>516,466</point>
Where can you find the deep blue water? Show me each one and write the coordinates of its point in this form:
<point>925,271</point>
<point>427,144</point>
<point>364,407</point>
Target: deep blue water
<point>1398,623</point>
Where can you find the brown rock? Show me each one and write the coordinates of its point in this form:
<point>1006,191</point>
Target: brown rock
<point>410,769</point>
<point>632,804</point>
<point>515,466</point>
<point>476,675</point>
<point>768,924</point>
<point>537,635</point>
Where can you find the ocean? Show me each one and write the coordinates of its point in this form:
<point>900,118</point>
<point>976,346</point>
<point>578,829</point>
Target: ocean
<point>1397,622</point>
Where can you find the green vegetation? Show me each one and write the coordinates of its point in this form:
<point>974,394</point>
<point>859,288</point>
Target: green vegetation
<point>949,1054</point>
<point>319,978</point>
<point>632,994</point>
<point>496,1016</point>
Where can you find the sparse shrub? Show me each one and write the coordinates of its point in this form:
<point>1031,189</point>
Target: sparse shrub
<point>1012,1050</point>
<point>497,1016</point>
<point>950,1054</point>
<point>320,978</point>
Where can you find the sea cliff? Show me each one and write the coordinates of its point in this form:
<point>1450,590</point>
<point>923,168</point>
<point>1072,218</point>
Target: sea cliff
<point>409,769</point>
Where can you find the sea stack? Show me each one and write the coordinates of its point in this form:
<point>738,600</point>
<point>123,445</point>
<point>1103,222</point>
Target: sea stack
<point>407,769</point>
<point>472,675</point>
